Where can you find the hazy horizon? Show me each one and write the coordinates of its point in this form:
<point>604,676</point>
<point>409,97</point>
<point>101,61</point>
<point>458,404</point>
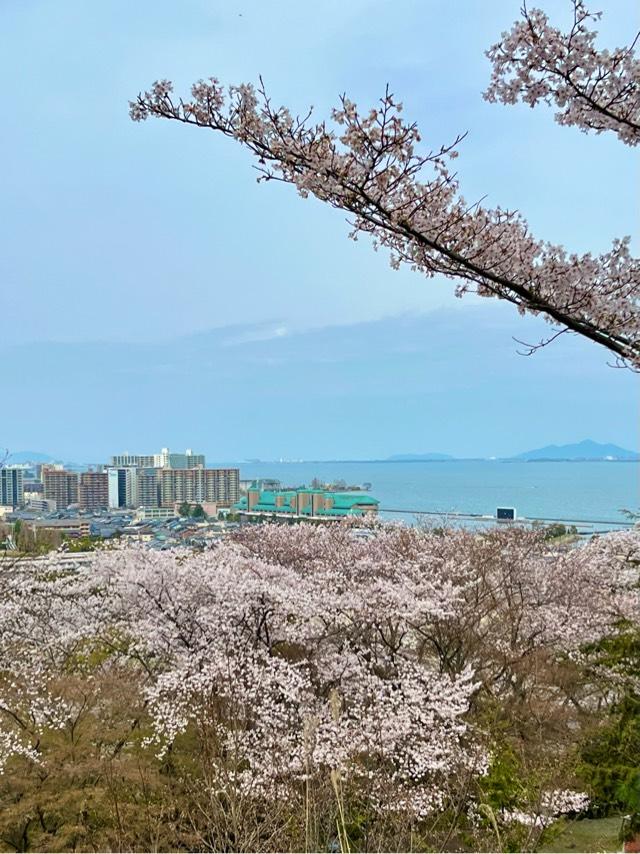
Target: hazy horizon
<point>154,294</point>
<point>360,391</point>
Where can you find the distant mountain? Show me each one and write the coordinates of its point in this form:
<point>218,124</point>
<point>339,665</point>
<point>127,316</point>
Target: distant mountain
<point>414,458</point>
<point>28,457</point>
<point>586,450</point>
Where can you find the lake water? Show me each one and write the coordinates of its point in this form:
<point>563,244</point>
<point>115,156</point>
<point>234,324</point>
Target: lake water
<point>590,491</point>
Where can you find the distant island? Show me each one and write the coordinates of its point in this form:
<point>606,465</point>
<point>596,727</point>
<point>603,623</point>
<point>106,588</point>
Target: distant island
<point>585,450</point>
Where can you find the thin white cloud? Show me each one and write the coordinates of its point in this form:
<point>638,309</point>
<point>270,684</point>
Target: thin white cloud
<point>268,333</point>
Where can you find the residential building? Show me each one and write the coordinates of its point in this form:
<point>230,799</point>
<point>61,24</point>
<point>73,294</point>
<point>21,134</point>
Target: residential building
<point>45,467</point>
<point>146,513</point>
<point>70,527</point>
<point>60,486</point>
<point>40,505</point>
<point>122,487</point>
<point>306,503</point>
<point>33,489</point>
<point>164,460</point>
<point>135,460</point>
<point>93,490</point>
<point>11,486</point>
<point>136,532</point>
<point>220,486</point>
<point>148,488</point>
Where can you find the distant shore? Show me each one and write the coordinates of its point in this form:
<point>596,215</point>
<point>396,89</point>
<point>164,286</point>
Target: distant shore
<point>452,460</point>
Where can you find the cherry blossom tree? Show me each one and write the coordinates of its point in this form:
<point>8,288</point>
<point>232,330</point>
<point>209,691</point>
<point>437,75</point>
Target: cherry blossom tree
<point>301,671</point>
<point>408,200</point>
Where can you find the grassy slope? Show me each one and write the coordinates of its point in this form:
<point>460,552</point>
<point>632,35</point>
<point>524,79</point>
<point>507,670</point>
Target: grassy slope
<point>589,835</point>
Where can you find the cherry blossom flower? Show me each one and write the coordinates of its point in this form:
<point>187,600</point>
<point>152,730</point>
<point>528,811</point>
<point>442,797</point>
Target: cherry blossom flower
<point>594,90</point>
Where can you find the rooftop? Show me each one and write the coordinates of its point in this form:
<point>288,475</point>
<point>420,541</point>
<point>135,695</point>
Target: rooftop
<point>300,502</point>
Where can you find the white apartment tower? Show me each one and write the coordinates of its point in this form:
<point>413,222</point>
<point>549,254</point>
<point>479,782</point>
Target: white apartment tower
<point>122,487</point>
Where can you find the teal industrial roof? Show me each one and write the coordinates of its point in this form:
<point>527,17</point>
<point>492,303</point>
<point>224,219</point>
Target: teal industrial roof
<point>343,503</point>
<point>348,499</point>
<point>272,508</point>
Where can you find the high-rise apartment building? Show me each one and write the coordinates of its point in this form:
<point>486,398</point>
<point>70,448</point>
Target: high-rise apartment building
<point>164,460</point>
<point>219,486</point>
<point>11,486</point>
<point>41,469</point>
<point>93,490</point>
<point>60,486</point>
<point>135,460</point>
<point>122,487</point>
<point>148,488</point>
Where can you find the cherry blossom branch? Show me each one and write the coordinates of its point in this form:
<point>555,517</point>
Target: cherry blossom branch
<point>410,203</point>
<point>533,348</point>
<point>594,90</point>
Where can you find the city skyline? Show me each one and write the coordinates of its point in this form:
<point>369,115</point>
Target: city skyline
<point>49,488</point>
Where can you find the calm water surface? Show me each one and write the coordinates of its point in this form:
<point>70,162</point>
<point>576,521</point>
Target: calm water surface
<point>587,490</point>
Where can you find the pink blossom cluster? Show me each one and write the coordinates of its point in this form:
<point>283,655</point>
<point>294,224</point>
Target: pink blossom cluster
<point>595,90</point>
<point>302,653</point>
<point>552,805</point>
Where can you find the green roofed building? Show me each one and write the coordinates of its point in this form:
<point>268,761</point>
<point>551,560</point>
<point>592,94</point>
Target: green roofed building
<point>305,503</point>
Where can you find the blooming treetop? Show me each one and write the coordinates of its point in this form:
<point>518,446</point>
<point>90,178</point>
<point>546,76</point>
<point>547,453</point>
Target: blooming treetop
<point>302,652</point>
<point>369,164</point>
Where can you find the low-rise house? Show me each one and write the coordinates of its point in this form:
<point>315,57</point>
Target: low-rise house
<point>70,527</point>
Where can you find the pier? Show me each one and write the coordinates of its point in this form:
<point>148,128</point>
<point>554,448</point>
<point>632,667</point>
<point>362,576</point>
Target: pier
<point>582,525</point>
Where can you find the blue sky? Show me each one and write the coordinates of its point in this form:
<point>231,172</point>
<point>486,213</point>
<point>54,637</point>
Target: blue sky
<point>127,249</point>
